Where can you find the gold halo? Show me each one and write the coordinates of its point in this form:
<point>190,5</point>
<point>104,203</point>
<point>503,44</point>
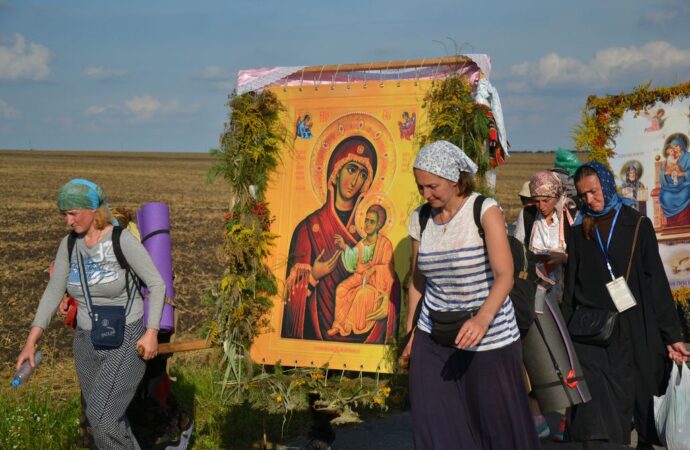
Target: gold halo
<point>375,198</point>
<point>632,162</point>
<point>345,126</point>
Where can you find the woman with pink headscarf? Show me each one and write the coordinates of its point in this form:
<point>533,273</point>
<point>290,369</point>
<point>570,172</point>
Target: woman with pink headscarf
<point>544,227</point>
<point>547,236</point>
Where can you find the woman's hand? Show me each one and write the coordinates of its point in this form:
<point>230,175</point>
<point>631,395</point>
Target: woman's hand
<point>29,349</point>
<point>677,352</point>
<point>147,345</point>
<point>557,258</point>
<point>63,308</point>
<point>404,359</point>
<point>472,332</point>
<point>28,353</point>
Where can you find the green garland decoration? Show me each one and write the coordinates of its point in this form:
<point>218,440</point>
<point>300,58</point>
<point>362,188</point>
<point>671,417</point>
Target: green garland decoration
<point>599,127</point>
<point>249,153</point>
<point>250,149</point>
<point>454,116</point>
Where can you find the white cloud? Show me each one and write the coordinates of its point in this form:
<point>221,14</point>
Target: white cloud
<point>20,61</point>
<point>608,66</point>
<point>96,110</point>
<point>213,73</point>
<point>102,73</point>
<point>142,107</point>
<point>7,111</point>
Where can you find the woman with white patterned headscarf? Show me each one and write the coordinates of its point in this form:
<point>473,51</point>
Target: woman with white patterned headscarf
<point>465,357</point>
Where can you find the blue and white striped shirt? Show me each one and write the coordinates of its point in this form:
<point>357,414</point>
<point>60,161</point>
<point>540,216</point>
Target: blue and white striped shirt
<point>455,263</point>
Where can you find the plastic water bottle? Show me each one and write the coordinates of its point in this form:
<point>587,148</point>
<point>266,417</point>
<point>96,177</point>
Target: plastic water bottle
<point>22,375</point>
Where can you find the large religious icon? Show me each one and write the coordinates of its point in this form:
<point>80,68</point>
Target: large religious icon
<point>654,165</point>
<point>342,199</point>
<point>653,162</point>
<point>320,291</point>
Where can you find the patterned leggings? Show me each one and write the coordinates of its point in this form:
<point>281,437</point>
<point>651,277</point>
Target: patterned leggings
<point>109,379</point>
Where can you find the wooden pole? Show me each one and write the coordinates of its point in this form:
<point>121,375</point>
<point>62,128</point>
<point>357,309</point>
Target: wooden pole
<point>188,346</point>
<point>175,347</point>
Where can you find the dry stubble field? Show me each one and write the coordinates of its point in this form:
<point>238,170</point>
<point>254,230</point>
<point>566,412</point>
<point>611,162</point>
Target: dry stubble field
<point>31,227</point>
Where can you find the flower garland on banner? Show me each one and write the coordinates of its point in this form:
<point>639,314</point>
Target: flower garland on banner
<point>250,149</point>
<point>454,116</point>
<point>599,127</point>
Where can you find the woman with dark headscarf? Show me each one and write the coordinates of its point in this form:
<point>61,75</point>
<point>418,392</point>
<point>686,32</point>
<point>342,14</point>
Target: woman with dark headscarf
<point>466,384</point>
<point>626,373</point>
<point>92,275</point>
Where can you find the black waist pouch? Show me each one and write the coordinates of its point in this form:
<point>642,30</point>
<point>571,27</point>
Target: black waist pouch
<point>445,325</point>
<point>107,326</point>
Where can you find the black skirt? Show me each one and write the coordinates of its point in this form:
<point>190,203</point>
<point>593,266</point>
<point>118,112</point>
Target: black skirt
<point>469,400</point>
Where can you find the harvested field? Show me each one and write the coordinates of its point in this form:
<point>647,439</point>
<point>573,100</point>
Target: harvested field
<point>31,227</point>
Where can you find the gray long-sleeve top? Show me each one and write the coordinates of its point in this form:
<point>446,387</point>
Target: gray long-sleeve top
<point>106,280</point>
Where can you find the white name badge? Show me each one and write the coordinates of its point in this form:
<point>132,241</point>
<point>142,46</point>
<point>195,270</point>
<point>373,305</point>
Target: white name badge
<point>620,294</point>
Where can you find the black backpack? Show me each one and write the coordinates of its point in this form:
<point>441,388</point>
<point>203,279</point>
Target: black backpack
<point>524,275</point>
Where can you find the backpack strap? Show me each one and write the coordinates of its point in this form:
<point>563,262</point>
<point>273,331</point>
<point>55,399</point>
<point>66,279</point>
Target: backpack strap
<point>71,240</point>
<point>424,216</point>
<point>117,248</point>
<point>477,209</point>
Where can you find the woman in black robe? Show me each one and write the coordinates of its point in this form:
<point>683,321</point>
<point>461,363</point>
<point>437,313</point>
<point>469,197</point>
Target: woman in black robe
<point>624,376</point>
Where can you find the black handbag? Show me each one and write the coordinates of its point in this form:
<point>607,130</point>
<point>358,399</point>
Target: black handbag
<point>445,325</point>
<point>593,326</point>
<point>107,321</point>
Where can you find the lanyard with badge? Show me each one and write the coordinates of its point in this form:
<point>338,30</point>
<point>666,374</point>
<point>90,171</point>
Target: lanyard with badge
<point>618,288</point>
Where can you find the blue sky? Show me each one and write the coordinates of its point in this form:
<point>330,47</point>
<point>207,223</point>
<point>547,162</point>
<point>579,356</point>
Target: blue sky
<point>155,75</point>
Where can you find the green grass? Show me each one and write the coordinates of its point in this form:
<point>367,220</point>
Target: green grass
<point>33,419</point>
<point>217,425</point>
<point>44,413</point>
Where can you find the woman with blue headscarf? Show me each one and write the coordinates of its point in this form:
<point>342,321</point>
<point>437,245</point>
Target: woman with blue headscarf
<point>90,272</point>
<point>624,375</point>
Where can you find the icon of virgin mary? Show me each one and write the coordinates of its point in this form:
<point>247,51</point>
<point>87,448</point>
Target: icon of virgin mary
<point>314,268</point>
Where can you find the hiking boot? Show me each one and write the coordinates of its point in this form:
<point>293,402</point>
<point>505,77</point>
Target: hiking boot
<point>541,426</point>
<point>559,435</point>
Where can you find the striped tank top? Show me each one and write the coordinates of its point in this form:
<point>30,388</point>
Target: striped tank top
<point>455,263</point>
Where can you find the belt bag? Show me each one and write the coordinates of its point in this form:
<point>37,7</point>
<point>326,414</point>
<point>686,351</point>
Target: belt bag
<point>445,325</point>
<point>107,326</point>
<point>593,326</point>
